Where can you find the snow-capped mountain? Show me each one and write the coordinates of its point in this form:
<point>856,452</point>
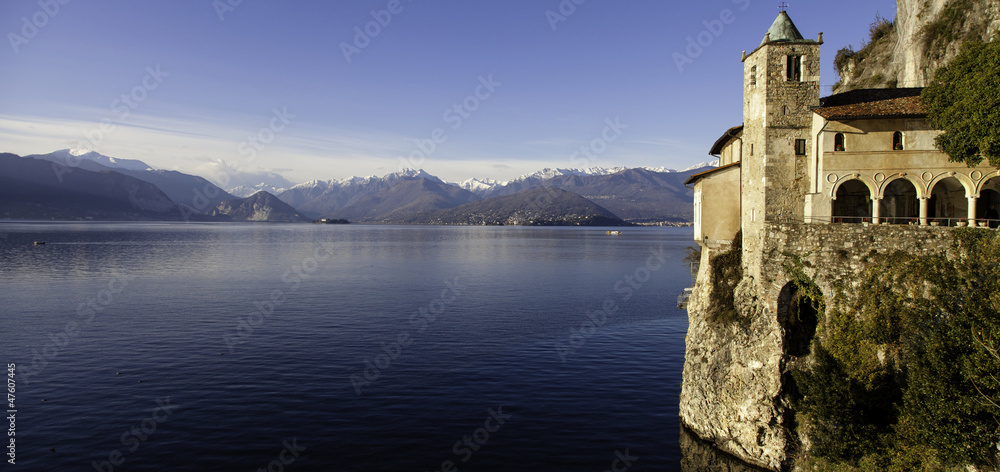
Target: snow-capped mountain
<point>192,191</point>
<point>244,182</point>
<point>475,185</point>
<point>322,197</point>
<point>72,157</point>
<point>714,163</point>
<point>633,193</point>
<point>244,191</point>
<point>549,173</point>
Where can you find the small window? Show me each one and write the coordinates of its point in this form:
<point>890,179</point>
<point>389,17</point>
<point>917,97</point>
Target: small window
<point>838,142</point>
<point>753,75</point>
<point>751,149</point>
<point>785,110</point>
<point>897,141</point>
<point>800,147</point>
<point>794,68</point>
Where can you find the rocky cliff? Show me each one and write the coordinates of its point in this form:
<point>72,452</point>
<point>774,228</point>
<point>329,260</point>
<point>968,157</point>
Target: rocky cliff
<point>738,390</point>
<point>925,35</point>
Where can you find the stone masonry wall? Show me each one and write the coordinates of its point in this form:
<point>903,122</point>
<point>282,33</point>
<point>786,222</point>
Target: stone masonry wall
<point>733,393</point>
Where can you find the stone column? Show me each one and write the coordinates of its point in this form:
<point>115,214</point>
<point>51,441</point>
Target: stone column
<point>972,210</point>
<point>923,211</point>
<point>876,210</point>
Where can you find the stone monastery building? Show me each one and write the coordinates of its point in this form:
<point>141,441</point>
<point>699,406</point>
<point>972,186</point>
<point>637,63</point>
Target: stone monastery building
<point>864,156</point>
<point>815,185</point>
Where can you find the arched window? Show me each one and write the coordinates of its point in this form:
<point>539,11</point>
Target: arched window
<point>897,141</point>
<point>838,142</point>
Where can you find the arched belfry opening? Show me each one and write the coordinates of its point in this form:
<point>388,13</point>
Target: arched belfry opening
<point>798,315</point>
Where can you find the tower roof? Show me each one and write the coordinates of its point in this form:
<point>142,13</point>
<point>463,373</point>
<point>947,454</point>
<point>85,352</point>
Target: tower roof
<point>783,29</point>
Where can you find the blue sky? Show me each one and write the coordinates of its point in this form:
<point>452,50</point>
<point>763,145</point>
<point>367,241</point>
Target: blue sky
<point>185,84</point>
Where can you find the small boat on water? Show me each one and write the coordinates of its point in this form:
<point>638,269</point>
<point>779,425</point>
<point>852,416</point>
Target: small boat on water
<point>39,243</point>
<point>615,232</point>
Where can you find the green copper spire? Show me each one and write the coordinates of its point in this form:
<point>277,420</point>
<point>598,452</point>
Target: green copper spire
<point>782,30</point>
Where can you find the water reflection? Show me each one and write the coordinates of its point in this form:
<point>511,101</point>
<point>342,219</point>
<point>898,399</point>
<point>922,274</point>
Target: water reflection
<point>698,456</point>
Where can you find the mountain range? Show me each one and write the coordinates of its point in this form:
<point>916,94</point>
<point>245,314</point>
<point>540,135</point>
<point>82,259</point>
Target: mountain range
<point>71,184</point>
<point>534,207</point>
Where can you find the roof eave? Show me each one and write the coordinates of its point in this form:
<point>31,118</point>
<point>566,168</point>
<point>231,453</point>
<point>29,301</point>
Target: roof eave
<point>701,175</point>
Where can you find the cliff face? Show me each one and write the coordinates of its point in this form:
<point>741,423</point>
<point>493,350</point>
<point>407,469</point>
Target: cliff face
<point>738,391</point>
<point>731,391</point>
<point>925,35</point>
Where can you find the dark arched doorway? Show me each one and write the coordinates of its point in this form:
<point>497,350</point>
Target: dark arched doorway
<point>853,203</point>
<point>899,203</point>
<point>798,314</point>
<point>988,206</point>
<point>948,203</point>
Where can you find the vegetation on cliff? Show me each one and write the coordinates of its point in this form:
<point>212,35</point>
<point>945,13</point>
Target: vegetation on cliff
<point>906,51</point>
<point>964,101</point>
<point>851,64</point>
<point>953,24</point>
<point>907,373</point>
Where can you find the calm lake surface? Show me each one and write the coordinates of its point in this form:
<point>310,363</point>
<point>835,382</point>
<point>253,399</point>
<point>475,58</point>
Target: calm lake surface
<point>171,346</point>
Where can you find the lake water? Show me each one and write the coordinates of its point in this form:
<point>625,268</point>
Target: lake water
<point>171,346</point>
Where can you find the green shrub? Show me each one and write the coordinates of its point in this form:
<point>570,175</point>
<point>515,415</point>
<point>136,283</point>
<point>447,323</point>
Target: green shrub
<point>907,376</point>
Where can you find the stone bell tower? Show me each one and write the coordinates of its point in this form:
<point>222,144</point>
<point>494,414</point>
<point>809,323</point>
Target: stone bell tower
<point>780,87</point>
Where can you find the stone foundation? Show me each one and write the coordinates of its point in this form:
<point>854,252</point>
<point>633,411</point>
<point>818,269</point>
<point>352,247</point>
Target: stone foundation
<point>734,393</point>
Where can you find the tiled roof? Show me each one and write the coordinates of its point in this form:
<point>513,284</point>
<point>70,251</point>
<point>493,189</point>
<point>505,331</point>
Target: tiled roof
<point>696,177</point>
<point>872,103</point>
<point>727,137</point>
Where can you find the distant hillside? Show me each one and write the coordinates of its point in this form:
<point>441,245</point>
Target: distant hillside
<point>261,206</point>
<point>925,35</point>
<point>183,189</point>
<point>38,189</point>
<point>404,201</point>
<point>534,207</point>
<point>638,195</point>
<point>324,197</point>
